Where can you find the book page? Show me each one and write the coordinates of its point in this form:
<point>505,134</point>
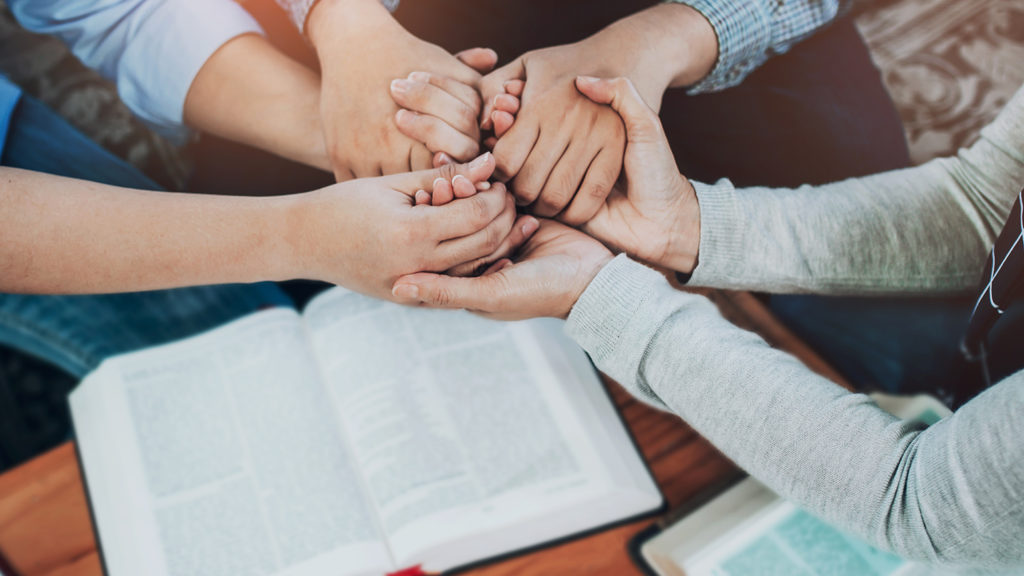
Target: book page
<point>458,424</point>
<point>226,459</point>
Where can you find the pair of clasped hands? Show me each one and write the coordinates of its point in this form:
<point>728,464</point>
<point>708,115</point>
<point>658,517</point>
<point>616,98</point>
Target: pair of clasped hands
<point>600,178</point>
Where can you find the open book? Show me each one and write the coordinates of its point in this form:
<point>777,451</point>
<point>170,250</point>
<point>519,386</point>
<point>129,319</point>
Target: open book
<point>358,438</point>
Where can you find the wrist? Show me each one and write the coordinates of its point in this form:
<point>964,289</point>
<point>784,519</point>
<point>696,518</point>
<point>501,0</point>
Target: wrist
<point>683,248</point>
<point>294,223</point>
<point>332,21</point>
<point>667,45</point>
<point>587,272</point>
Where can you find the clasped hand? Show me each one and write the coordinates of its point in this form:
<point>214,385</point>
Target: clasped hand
<point>561,156</point>
<point>652,214</point>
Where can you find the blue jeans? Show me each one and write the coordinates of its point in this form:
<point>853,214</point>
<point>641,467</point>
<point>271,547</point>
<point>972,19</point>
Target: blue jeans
<point>77,332</point>
<point>905,345</point>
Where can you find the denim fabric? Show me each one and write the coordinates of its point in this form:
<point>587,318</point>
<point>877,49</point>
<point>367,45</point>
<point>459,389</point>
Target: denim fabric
<point>9,96</point>
<point>42,141</point>
<point>905,346</point>
<point>77,332</point>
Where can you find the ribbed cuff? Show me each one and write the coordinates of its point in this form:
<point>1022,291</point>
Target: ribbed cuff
<point>721,235</point>
<point>743,29</point>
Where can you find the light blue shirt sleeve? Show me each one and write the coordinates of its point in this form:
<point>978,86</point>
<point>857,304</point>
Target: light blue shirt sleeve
<point>752,31</point>
<point>152,49</point>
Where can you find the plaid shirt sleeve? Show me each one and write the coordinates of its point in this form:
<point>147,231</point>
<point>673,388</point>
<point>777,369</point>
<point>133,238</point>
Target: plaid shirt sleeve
<point>298,10</point>
<point>752,31</point>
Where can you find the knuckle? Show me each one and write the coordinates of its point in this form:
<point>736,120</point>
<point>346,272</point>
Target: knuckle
<point>442,296</point>
<point>565,183</point>
<point>597,190</point>
<point>573,218</point>
<point>551,203</point>
<point>467,120</point>
<point>479,211</point>
<point>431,132</point>
<point>525,191</point>
<point>419,95</point>
<point>475,103</point>
<point>495,236</point>
<point>604,178</point>
<point>490,86</point>
<point>461,271</point>
<point>468,149</point>
<point>505,168</point>
<point>448,171</point>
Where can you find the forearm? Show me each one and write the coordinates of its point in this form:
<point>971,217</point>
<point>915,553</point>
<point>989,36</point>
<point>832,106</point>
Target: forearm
<point>250,92</point>
<point>332,21</point>
<point>70,236</point>
<point>921,230</point>
<point>664,46</point>
<point>951,493</point>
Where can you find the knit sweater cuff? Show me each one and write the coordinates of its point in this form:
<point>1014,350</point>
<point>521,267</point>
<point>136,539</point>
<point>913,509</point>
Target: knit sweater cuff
<point>721,235</point>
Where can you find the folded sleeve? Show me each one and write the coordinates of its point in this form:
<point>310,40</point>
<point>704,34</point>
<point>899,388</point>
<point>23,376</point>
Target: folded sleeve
<point>751,32</point>
<point>152,49</point>
<point>952,493</point>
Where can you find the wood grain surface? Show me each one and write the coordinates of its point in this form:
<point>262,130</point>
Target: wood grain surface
<point>45,529</point>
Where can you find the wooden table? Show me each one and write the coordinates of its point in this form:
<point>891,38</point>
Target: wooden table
<point>45,529</point>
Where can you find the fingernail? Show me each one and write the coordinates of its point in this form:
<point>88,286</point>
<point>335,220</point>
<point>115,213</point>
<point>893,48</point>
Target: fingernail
<point>445,159</point>
<point>406,292</point>
<point>587,79</point>
<point>420,77</point>
<point>400,86</point>
<point>530,226</point>
<point>403,116</point>
<point>481,161</point>
<point>458,176</point>
<point>485,185</point>
<point>438,179</point>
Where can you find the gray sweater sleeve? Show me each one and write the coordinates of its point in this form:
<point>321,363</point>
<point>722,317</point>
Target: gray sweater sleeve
<point>952,493</point>
<point>922,230</point>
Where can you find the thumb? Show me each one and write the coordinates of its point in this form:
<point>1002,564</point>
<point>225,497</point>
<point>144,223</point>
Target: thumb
<point>477,171</point>
<point>642,123</point>
<point>482,60</point>
<point>442,291</point>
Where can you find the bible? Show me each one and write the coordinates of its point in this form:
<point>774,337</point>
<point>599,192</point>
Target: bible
<point>357,438</point>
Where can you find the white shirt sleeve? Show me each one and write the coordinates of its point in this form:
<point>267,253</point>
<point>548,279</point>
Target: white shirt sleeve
<point>152,49</point>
